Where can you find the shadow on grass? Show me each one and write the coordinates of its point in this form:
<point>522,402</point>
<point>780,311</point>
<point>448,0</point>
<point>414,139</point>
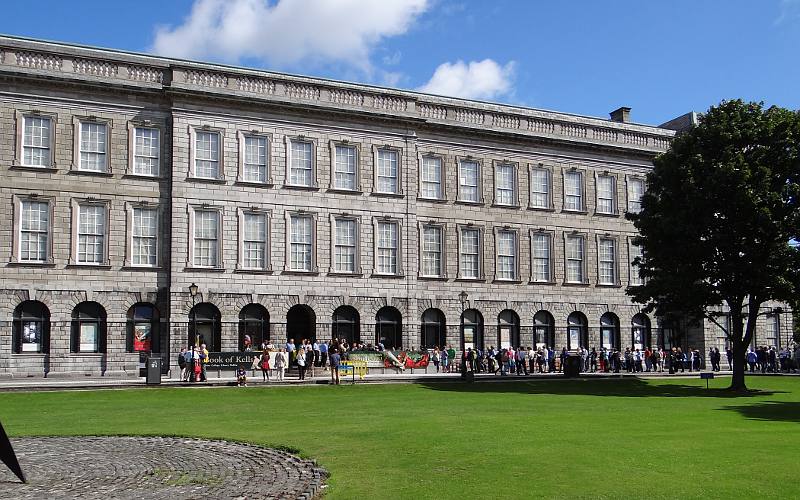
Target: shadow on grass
<point>629,388</point>
<point>776,411</point>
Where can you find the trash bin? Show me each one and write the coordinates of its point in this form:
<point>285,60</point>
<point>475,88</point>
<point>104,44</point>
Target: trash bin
<point>153,370</point>
<point>572,365</point>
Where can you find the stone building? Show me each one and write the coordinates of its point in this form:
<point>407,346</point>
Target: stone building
<point>301,207</point>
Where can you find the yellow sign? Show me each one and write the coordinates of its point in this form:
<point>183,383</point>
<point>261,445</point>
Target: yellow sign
<point>357,367</point>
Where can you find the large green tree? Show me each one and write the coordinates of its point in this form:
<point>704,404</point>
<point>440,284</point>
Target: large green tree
<point>721,206</point>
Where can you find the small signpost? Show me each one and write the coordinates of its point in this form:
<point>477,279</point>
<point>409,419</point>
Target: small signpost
<point>707,376</point>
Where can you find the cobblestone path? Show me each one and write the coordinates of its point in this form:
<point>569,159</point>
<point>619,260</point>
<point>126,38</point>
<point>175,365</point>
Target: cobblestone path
<point>156,467</point>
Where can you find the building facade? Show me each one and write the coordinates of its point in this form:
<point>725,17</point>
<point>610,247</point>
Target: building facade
<point>302,208</point>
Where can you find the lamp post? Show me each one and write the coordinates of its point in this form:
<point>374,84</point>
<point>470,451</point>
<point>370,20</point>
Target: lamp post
<point>193,293</point>
<point>463,296</point>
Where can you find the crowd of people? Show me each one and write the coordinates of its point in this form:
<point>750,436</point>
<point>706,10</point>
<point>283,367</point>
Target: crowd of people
<point>310,358</point>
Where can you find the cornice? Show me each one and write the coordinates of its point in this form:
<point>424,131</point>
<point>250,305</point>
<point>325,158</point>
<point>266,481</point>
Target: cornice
<point>50,60</point>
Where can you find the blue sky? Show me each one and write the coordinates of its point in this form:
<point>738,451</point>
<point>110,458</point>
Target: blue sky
<point>661,58</point>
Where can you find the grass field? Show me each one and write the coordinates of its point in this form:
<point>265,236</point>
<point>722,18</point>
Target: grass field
<point>557,438</point>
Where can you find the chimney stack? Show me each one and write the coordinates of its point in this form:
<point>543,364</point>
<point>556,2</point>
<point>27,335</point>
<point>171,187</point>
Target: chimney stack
<point>621,115</point>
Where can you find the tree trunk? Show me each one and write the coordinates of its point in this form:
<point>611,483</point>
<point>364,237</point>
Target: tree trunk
<point>739,364</point>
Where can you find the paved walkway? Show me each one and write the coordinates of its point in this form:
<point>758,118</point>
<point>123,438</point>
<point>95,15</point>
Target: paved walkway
<point>390,376</point>
<point>156,467</point>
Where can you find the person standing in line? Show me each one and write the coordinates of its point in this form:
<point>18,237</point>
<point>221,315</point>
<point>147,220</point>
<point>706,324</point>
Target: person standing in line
<point>203,362</point>
<point>290,353</point>
<point>323,355</point>
<point>281,360</point>
<point>265,365</point>
<point>436,358</point>
<point>182,362</point>
<point>751,359</point>
<point>531,360</point>
<point>593,360</point>
<point>310,355</point>
<point>445,360</point>
<point>451,355</point>
<point>317,353</point>
<point>729,355</point>
<point>300,359</point>
<point>335,362</point>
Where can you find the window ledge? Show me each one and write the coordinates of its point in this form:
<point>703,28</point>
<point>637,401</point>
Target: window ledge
<point>578,212</point>
<point>541,209</point>
<point>31,264</point>
<point>252,271</point>
<point>240,182</point>
<point>345,275</point>
<point>432,200</point>
<point>510,282</point>
<point>144,177</point>
<point>465,202</point>
<point>295,272</point>
<point>87,354</point>
<point>300,188</point>
<point>129,267</point>
<point>29,354</point>
<point>503,205</point>
<point>205,180</point>
<point>608,285</point>
<point>204,269</point>
<point>604,214</point>
<point>472,280</point>
<point>75,265</point>
<point>550,283</point>
<point>572,284</point>
<point>390,276</point>
<point>344,191</point>
<point>77,171</point>
<point>31,168</point>
<point>432,278</point>
<point>379,194</point>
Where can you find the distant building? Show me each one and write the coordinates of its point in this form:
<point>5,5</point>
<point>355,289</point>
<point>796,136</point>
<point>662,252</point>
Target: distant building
<point>303,208</point>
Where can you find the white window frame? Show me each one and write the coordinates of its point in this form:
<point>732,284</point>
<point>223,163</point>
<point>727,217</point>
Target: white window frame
<point>550,253</point>
<point>242,138</point>
<point>300,139</point>
<point>21,117</point>
<point>16,256</point>
<point>332,185</point>
<point>78,123</point>
<point>332,268</point>
<point>584,275</point>
<point>480,271</point>
<point>376,152</point>
<point>376,224</point>
<point>76,206</point>
<point>514,184</point>
<point>130,210</point>
<point>613,194</point>
<point>205,129</point>
<point>603,239</point>
<point>532,168</point>
<point>479,180</point>
<point>441,227</point>
<point>190,261</point>
<point>633,276</point>
<point>582,194</point>
<point>241,261</point>
<point>630,181</point>
<point>498,233</point>
<point>423,158</point>
<point>288,215</point>
<point>133,126</point>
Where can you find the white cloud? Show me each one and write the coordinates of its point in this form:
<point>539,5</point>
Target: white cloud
<point>474,80</point>
<point>289,31</point>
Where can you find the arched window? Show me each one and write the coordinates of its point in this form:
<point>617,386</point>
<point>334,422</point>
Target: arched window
<point>346,325</point>
<point>544,332</point>
<point>253,327</point>
<point>389,328</point>
<point>143,332</point>
<point>640,331</point>
<point>434,329</point>
<point>609,331</point>
<point>88,328</point>
<point>301,324</point>
<point>577,331</point>
<point>508,329</point>
<point>204,327</point>
<point>31,330</point>
<point>471,330</point>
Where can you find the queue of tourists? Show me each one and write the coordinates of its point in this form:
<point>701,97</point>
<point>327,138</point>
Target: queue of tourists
<point>310,359</point>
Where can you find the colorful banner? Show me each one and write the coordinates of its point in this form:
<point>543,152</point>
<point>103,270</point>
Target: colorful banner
<point>141,337</point>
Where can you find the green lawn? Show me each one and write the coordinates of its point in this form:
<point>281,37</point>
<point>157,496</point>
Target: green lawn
<point>557,438</point>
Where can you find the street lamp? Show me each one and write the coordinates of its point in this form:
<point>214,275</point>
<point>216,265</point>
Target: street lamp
<point>463,296</point>
<point>193,293</point>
